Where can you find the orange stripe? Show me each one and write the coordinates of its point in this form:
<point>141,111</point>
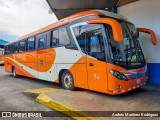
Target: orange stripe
<point>19,70</point>
<point>32,59</point>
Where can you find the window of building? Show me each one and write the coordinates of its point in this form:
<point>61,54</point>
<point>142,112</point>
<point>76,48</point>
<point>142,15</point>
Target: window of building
<point>63,37</point>
<point>55,38</point>
<point>41,43</point>
<point>31,44</point>
<point>22,46</point>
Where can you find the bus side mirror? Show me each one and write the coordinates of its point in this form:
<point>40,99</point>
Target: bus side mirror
<point>116,27</point>
<point>148,31</point>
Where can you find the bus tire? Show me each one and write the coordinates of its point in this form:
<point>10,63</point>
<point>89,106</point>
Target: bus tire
<point>14,72</point>
<point>67,81</point>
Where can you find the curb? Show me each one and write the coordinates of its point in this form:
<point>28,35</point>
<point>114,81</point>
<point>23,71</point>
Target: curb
<point>60,107</point>
<point>41,90</point>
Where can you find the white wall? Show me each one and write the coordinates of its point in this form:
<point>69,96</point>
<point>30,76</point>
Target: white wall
<point>145,13</point>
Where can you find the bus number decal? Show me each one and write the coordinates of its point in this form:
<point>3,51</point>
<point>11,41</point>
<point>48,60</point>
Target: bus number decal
<point>96,76</point>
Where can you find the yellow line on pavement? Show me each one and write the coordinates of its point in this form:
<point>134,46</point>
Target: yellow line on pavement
<point>72,112</point>
<point>41,90</point>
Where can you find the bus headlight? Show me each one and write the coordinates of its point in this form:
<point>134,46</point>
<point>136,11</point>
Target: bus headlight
<point>118,75</point>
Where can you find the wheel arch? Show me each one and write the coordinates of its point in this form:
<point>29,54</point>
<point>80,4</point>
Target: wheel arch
<point>60,74</point>
<point>63,68</point>
<point>12,67</point>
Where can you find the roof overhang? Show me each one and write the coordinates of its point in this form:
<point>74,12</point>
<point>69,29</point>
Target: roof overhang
<point>64,8</point>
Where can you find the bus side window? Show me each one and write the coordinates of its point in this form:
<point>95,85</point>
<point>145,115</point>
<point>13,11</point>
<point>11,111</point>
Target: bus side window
<point>7,49</point>
<point>10,51</point>
<point>22,46</point>
<point>15,47</point>
<point>31,44</point>
<point>41,43</point>
<point>95,46</point>
<point>54,40</point>
<point>63,37</point>
<point>80,36</point>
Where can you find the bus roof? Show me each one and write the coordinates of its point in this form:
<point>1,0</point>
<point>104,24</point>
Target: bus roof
<point>70,19</point>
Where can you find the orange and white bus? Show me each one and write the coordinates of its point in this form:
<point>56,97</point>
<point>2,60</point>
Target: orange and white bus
<point>1,56</point>
<point>95,50</point>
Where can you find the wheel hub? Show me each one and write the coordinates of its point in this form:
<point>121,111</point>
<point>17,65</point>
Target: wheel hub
<point>68,81</point>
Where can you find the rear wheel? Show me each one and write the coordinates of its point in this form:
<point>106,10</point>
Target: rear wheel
<point>67,81</point>
<point>14,72</point>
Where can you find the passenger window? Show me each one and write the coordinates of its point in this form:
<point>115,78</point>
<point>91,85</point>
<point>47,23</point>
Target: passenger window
<point>95,45</point>
<point>7,49</point>
<point>80,36</point>
<point>31,44</point>
<point>22,46</point>
<point>12,48</point>
<point>54,40</point>
<point>41,43</point>
<point>15,47</point>
<point>63,37</point>
<point>90,40</point>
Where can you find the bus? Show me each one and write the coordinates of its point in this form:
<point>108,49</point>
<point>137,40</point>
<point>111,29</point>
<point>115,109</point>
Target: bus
<point>95,50</point>
<point>1,56</point>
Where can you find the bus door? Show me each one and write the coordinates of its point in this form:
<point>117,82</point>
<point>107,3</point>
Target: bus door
<point>96,58</point>
<point>41,56</point>
<point>91,70</point>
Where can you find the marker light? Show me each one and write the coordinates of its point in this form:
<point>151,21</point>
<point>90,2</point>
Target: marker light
<point>118,87</point>
<point>118,75</point>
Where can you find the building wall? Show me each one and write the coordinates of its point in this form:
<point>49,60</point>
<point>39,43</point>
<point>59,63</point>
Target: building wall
<point>145,13</point>
<point>1,52</point>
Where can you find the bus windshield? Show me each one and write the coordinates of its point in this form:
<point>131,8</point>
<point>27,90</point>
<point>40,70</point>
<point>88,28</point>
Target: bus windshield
<point>127,53</point>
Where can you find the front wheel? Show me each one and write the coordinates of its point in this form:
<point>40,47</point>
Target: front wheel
<point>67,81</point>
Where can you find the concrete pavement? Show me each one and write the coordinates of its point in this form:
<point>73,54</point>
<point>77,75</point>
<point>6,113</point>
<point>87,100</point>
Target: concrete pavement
<point>13,97</point>
<point>143,99</point>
